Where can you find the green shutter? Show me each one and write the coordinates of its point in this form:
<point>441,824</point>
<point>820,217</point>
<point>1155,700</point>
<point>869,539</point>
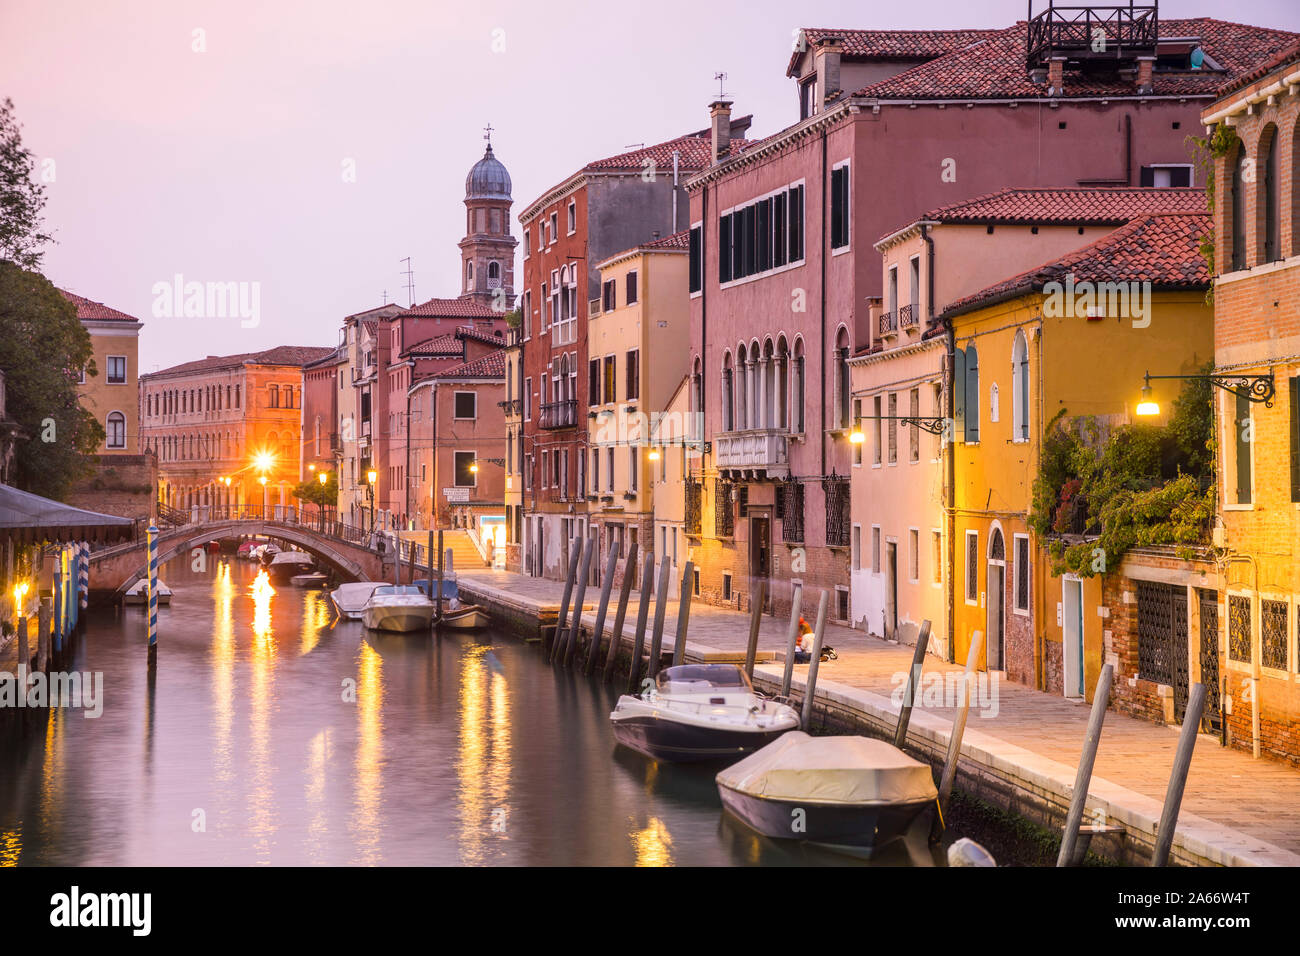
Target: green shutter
<point>1243,450</point>
<point>1295,438</point>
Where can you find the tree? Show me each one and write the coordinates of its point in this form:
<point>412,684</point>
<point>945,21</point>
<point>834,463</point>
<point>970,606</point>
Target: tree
<point>22,197</point>
<point>44,347</point>
<point>321,495</point>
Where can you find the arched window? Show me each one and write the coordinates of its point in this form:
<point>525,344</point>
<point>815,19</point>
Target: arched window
<point>1235,209</point>
<point>494,270</point>
<point>842,389</point>
<point>741,403</point>
<point>115,428</point>
<point>782,384</point>
<point>767,417</point>
<point>728,396</point>
<point>798,388</point>
<point>696,430</point>
<point>469,275</point>
<point>1020,388</point>
<point>1268,198</point>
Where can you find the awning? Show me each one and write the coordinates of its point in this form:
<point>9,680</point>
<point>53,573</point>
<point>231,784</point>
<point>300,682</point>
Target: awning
<point>31,518</point>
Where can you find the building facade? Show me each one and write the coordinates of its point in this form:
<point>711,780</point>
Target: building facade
<point>112,395</point>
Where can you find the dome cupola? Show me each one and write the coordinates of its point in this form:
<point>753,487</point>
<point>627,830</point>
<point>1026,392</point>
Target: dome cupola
<point>488,179</point>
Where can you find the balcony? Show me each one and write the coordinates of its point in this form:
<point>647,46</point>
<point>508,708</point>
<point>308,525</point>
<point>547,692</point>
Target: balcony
<point>907,316</point>
<point>1128,31</point>
<point>513,407</point>
<point>887,326</point>
<point>559,415</point>
<point>755,453</point>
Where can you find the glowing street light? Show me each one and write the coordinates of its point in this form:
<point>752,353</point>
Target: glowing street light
<point>323,476</point>
<point>1148,406</point>
<point>264,461</point>
<point>654,454</point>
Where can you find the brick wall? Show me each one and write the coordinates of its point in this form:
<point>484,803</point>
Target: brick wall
<point>122,485</point>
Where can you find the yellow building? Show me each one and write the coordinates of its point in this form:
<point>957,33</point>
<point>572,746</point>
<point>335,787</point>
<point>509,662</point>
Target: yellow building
<point>112,396</point>
<point>1074,336</point>
<point>638,339</point>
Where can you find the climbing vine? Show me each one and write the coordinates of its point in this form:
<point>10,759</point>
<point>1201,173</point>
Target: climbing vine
<point>1205,150</point>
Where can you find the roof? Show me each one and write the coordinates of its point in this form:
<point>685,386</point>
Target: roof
<point>891,44</point>
<point>695,151</point>
<point>295,356</point>
<point>678,240</point>
<point>453,308</point>
<point>29,517</point>
<point>492,365</point>
<point>90,309</point>
<point>487,178</point>
<point>1071,205</point>
<point>1287,54</point>
<point>994,67</point>
<point>1163,249</point>
<point>450,343</point>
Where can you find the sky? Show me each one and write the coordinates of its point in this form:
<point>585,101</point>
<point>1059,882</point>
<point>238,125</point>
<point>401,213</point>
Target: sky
<point>303,149</point>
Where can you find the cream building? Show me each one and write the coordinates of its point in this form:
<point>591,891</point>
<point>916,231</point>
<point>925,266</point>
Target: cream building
<point>112,396</point>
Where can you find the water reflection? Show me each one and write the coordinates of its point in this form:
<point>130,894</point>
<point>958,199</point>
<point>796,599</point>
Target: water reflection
<point>370,755</point>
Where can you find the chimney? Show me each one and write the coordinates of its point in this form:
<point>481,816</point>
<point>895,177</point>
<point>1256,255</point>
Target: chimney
<point>720,120</point>
<point>1145,65</point>
<point>1056,75</point>
<point>826,58</point>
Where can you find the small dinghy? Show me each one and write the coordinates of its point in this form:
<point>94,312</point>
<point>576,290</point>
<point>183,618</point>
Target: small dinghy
<point>288,564</point>
<point>350,599</point>
<point>314,580</point>
<point>468,617</point>
<point>852,793</point>
<point>700,712</point>
<point>139,593</point>
<point>398,607</point>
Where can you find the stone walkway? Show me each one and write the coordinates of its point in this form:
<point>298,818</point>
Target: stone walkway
<point>1236,809</point>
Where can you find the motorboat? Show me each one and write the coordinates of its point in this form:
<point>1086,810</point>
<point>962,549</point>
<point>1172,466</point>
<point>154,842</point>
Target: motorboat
<point>852,793</point>
<point>316,579</point>
<point>287,564</point>
<point>245,550</point>
<point>350,599</point>
<point>700,712</point>
<point>138,593</point>
<point>465,617</point>
<point>266,554</point>
<point>398,607</point>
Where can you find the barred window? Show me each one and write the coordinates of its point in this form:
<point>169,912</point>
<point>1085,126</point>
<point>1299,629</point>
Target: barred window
<point>1273,634</point>
<point>972,565</point>
<point>1239,627</point>
<point>724,523</point>
<point>1022,574</point>
<point>838,529</point>
<point>693,507</point>
<point>792,512</point>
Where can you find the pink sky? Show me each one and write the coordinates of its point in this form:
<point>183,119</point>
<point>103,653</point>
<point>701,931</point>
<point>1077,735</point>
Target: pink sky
<point>227,165</point>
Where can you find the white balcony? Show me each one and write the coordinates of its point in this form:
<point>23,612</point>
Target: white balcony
<point>756,452</point>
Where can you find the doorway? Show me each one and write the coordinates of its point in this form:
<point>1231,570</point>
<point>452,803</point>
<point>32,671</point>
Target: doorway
<point>760,553</point>
<point>1072,635</point>
<point>891,590</point>
<point>995,657</point>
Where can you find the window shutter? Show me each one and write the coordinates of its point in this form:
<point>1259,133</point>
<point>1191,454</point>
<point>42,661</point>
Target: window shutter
<point>1148,176</point>
<point>958,390</point>
<point>1243,450</point>
<point>1295,438</point>
<point>1180,176</point>
<point>972,410</point>
<point>724,249</point>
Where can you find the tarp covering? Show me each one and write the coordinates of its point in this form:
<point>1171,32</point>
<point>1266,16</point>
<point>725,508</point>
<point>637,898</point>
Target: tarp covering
<point>28,517</point>
<point>854,770</point>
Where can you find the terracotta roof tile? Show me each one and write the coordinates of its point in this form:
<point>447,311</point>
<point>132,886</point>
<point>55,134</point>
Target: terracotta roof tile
<point>1288,54</point>
<point>1082,205</point>
<point>695,152</point>
<point>451,343</point>
<point>453,308</point>
<point>898,44</point>
<point>492,365</point>
<point>291,355</point>
<point>678,240</point>
<point>89,309</point>
<point>994,67</point>
<point>1163,249</point>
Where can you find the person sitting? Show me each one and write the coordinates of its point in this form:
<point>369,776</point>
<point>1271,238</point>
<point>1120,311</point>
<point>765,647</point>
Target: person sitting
<point>803,643</point>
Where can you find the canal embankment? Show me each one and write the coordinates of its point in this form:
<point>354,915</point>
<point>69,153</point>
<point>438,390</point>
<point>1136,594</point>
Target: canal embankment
<point>1020,749</point>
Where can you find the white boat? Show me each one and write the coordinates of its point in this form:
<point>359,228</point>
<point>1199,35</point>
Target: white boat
<point>350,599</point>
<point>314,580</point>
<point>398,607</point>
<point>468,617</point>
<point>139,593</point>
<point>852,793</point>
<point>286,564</point>
<point>700,712</point>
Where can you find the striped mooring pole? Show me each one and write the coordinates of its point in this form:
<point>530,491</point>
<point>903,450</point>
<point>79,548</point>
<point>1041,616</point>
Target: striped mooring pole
<point>60,602</point>
<point>83,575</point>
<point>153,597</point>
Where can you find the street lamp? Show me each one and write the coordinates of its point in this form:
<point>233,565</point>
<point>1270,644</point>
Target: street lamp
<point>1257,389</point>
<point>324,479</point>
<point>261,480</point>
<point>370,491</point>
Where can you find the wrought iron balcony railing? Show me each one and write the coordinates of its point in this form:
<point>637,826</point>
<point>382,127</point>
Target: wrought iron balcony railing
<point>559,414</point>
<point>887,325</point>
<point>907,316</point>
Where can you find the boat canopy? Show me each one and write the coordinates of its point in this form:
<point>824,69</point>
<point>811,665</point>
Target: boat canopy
<point>701,678</point>
<point>405,589</point>
<point>856,770</point>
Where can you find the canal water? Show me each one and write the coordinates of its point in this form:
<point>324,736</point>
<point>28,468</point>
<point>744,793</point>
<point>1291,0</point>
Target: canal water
<point>275,733</point>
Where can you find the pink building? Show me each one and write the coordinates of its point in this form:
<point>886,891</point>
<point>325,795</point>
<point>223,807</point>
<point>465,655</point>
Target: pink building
<point>782,239</point>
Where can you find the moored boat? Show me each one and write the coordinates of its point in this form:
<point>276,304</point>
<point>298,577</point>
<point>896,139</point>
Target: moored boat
<point>138,593</point>
<point>350,599</point>
<point>852,793</point>
<point>316,579</point>
<point>287,564</point>
<point>699,712</point>
<point>398,607</point>
<point>470,617</point>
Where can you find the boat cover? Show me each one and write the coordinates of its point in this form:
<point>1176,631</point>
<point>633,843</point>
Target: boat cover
<point>352,597</point>
<point>857,770</point>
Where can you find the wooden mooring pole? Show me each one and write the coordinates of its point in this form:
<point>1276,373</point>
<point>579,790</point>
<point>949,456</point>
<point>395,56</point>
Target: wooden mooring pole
<point>958,730</point>
<point>913,681</point>
<point>810,687</point>
<point>43,613</point>
<point>584,574</point>
<point>661,611</point>
<point>796,602</point>
<point>575,545</point>
<point>153,597</point>
<point>642,612</point>
<point>624,592</point>
<point>606,587</point>
<point>683,614</point>
<point>1084,774</point>
<point>438,610</point>
<point>1178,776</point>
<point>755,619</point>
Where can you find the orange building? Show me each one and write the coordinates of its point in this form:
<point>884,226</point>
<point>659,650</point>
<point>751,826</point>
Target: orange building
<point>236,417</point>
<point>111,394</point>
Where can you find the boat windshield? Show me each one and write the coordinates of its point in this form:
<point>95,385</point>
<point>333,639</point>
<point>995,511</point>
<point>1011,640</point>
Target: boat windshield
<point>398,589</point>
<point>688,678</point>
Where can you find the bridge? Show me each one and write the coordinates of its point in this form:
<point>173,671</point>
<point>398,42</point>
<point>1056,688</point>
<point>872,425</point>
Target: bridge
<point>353,553</point>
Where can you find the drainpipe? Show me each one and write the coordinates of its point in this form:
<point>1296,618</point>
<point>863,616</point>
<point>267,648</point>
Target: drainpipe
<point>821,253</point>
<point>949,452</point>
<point>704,317</point>
<point>407,496</point>
<point>677,155</point>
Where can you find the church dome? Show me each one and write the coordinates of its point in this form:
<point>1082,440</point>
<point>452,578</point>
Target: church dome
<point>488,179</point>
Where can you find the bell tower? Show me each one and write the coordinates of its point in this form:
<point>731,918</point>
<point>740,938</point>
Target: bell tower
<point>487,253</point>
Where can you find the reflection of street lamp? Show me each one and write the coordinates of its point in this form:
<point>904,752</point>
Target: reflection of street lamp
<point>324,478</point>
<point>370,491</point>
<point>262,481</point>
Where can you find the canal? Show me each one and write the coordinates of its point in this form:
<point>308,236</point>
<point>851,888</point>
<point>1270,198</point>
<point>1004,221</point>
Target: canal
<point>275,733</point>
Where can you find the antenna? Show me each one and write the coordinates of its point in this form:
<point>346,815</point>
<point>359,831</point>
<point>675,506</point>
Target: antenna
<point>721,78</point>
<point>385,297</point>
<point>410,283</point>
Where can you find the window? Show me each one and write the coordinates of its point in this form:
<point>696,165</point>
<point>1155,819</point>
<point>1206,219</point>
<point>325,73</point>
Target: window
<point>555,226</point>
<point>797,424</point>
<point>842,386</point>
<point>972,392</point>
<point>857,418</point>
<point>1236,208</point>
<point>466,405</point>
<point>116,370</point>
<point>633,375</point>
<point>696,267</point>
<point>1268,217</point>
<point>634,464</point>
<point>765,234</point>
<point>546,467</point>
<point>914,555</point>
<point>115,430</point>
<point>610,395</point>
<point>572,217</point>
<point>972,566</point>
<point>877,430</point>
<point>1167,175</point>
<point>593,382</point>
<point>875,549</point>
<point>274,401</point>
<point>527,233</point>
<point>914,288</point>
<point>1021,572</point>
<point>856,549</point>
<point>608,296</point>
<point>840,206</point>
<point>595,470</point>
<point>631,289</point>
<point>936,555</point>
<point>1243,430</point>
<point>1020,389</point>
<point>528,399</point>
<point>609,469</point>
<point>914,433</point>
<point>893,428</point>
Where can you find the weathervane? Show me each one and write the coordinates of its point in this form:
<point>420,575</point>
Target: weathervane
<point>721,78</point>
<point>487,134</point>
